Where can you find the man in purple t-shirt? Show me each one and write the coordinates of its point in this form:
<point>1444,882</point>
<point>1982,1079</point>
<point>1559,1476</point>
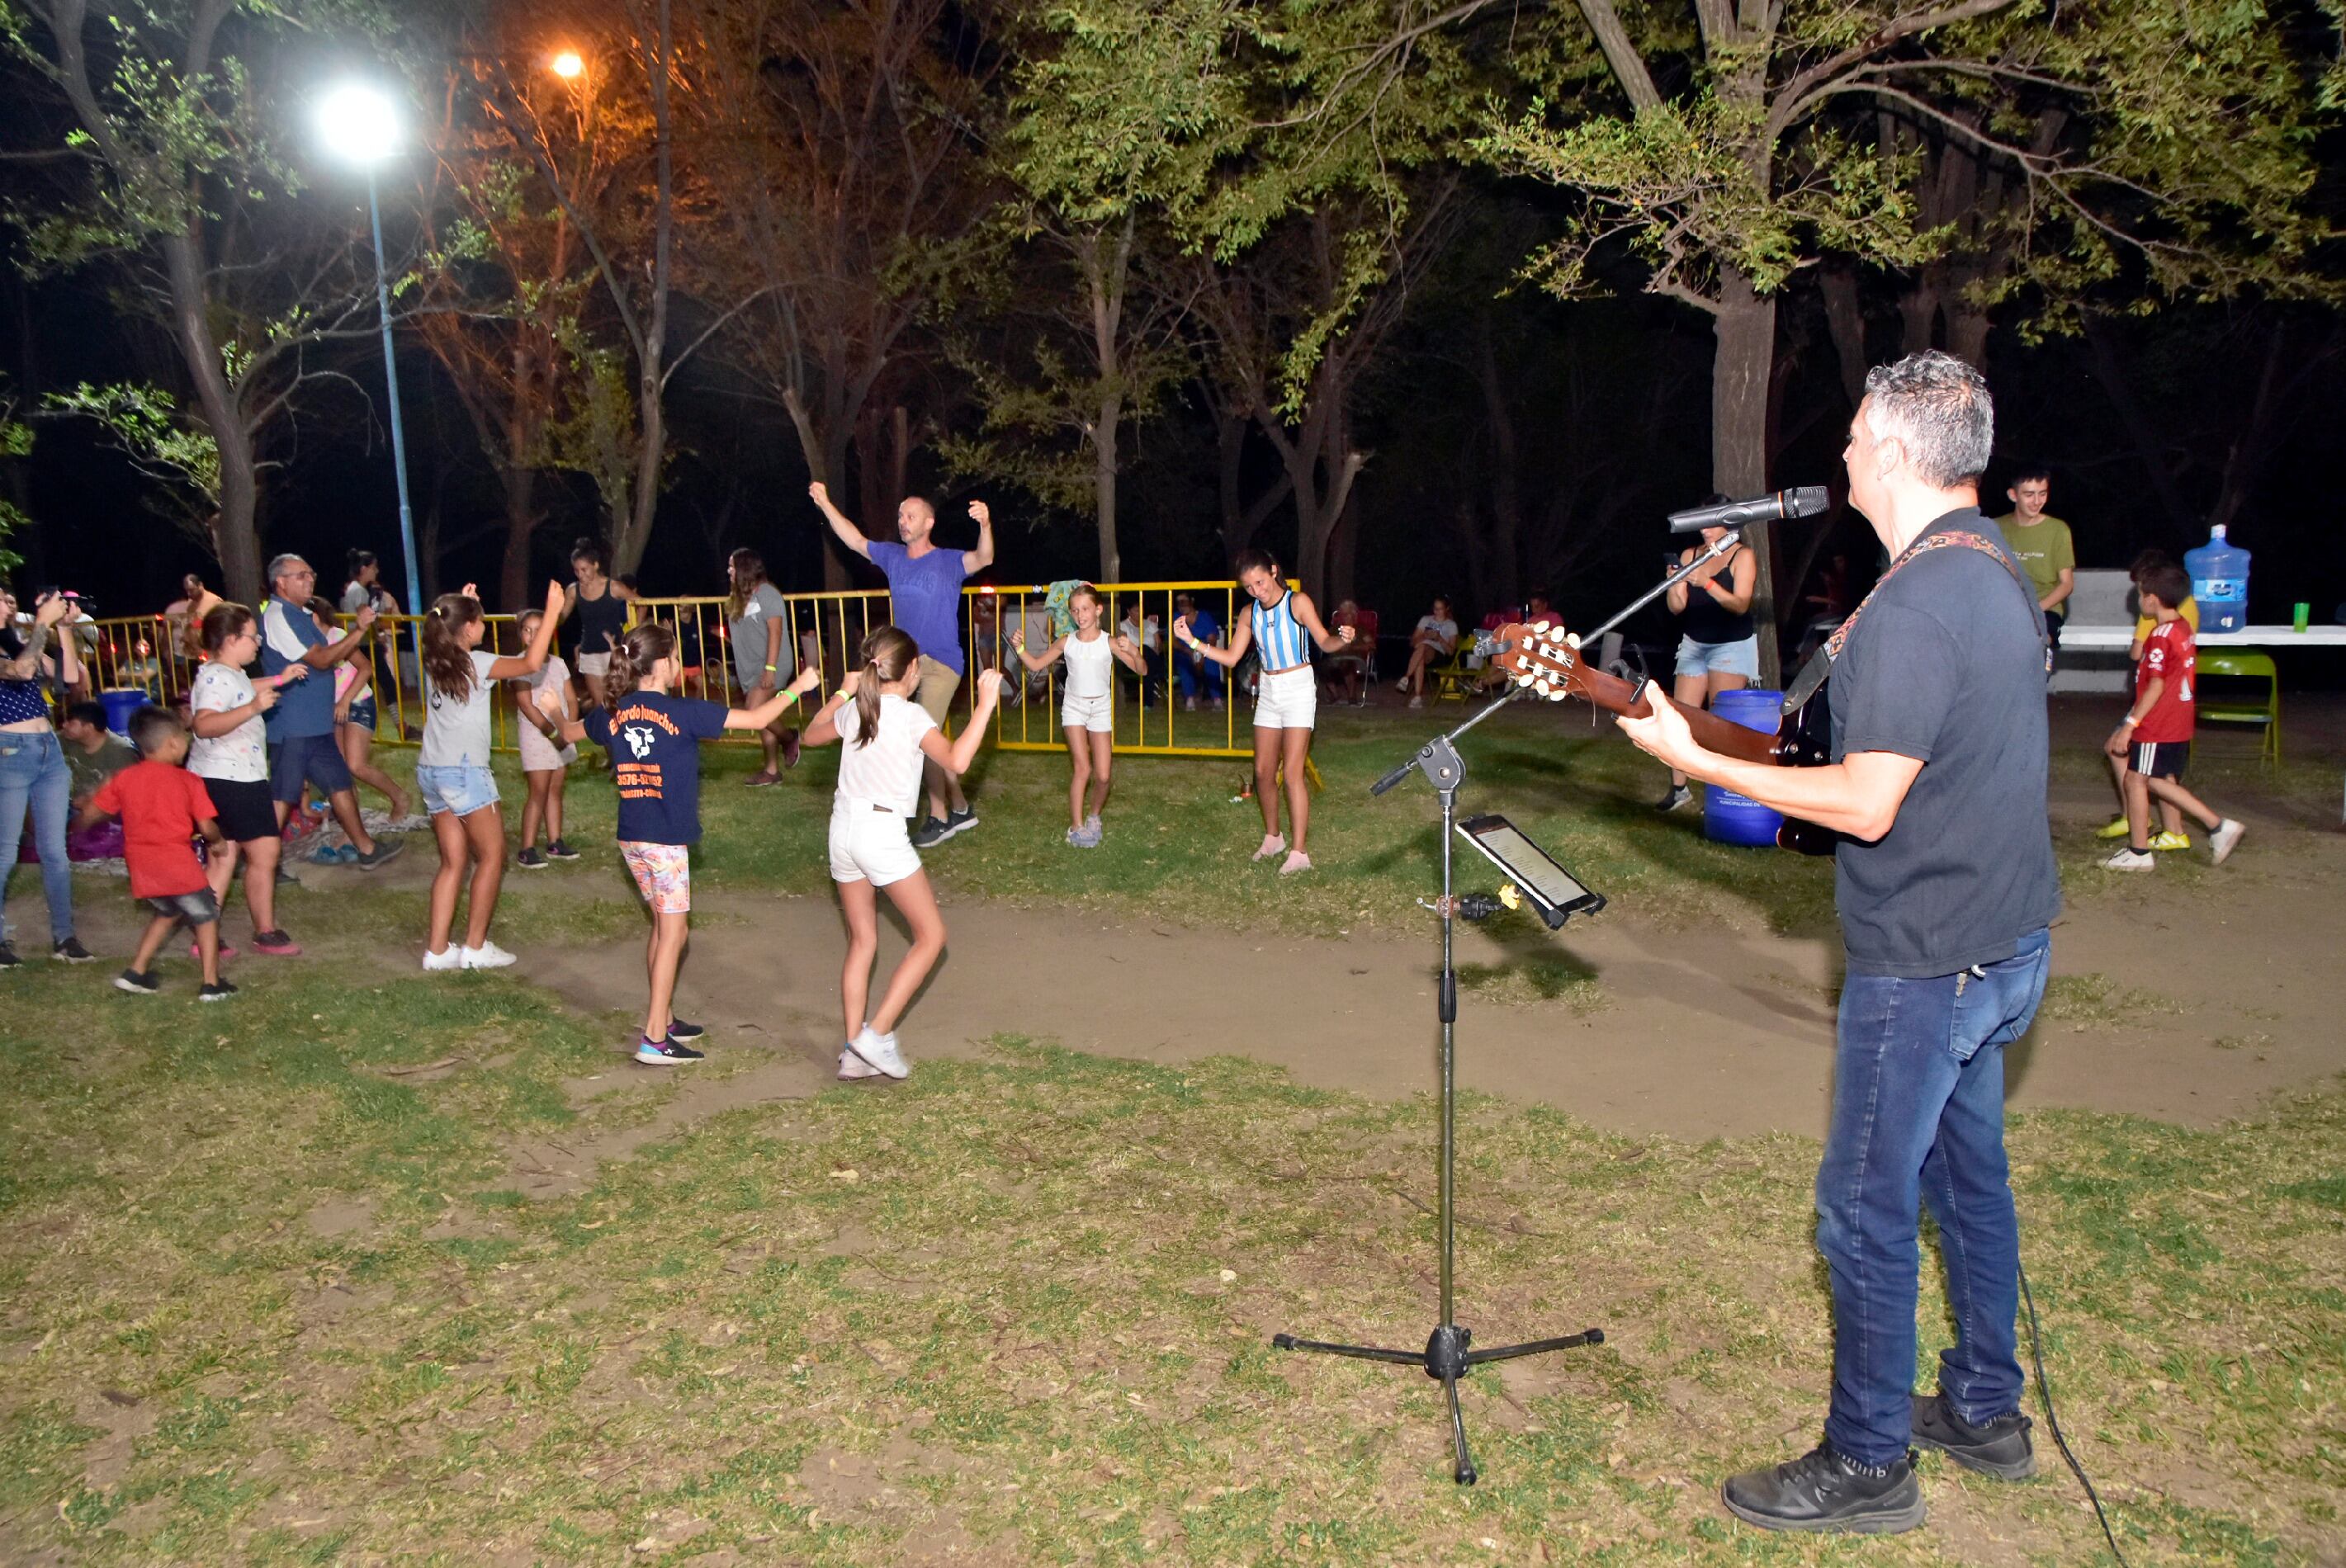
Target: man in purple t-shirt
<point>924,598</point>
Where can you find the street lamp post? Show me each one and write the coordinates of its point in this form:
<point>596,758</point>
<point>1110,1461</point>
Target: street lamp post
<point>360,125</point>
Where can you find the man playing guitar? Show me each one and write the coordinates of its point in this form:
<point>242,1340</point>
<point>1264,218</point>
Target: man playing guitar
<point>1945,884</point>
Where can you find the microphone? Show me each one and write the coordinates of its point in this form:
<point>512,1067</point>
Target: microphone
<point>1808,501</point>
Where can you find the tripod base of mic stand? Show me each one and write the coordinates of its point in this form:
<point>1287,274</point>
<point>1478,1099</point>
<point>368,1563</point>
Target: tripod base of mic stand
<point>1445,1359</point>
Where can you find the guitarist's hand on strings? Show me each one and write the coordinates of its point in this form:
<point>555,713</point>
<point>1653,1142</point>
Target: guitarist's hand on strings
<point>1663,734</point>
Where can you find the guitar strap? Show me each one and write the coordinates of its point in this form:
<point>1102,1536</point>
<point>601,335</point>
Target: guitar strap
<point>1820,664</point>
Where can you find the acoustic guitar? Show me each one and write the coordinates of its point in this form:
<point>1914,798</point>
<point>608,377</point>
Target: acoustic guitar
<point>1545,661</point>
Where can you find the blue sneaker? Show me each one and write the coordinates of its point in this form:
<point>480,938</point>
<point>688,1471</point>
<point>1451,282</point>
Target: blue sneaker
<point>664,1053</point>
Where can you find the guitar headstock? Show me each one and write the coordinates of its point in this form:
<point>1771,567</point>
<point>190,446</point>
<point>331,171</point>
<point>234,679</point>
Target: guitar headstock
<point>1543,657</point>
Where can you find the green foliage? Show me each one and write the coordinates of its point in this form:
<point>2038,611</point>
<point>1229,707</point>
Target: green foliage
<point>596,434</point>
<point>162,441</point>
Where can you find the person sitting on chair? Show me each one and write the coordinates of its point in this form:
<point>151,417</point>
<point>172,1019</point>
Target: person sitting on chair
<point>1436,636</point>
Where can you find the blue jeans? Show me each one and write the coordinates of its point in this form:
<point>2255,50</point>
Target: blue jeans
<point>1918,1117</point>
<point>34,776</point>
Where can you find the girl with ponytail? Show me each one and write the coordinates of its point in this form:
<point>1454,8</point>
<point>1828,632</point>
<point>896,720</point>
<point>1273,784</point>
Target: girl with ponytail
<point>887,737</point>
<point>654,738</point>
<point>452,770</point>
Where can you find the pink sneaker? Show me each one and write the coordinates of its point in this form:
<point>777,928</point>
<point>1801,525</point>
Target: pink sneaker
<point>196,951</point>
<point>275,943</point>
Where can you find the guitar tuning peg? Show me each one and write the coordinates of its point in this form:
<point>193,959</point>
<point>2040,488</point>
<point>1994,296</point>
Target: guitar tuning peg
<point>1557,695</point>
<point>1572,641</point>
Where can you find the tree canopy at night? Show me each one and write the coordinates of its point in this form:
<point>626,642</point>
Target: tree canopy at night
<point>1457,295</point>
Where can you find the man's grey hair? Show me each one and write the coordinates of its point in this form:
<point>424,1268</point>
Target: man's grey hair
<point>1938,409</point>
<point>284,563</point>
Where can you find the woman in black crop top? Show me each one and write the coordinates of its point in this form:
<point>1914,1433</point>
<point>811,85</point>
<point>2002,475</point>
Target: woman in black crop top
<point>1717,648</point>
<point>599,614</point>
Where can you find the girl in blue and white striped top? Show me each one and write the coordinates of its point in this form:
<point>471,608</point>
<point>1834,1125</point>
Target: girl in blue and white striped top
<point>1284,626</point>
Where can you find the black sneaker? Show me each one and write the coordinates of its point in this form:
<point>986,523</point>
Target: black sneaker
<point>558,850</point>
<point>1679,795</point>
<point>663,1053</point>
<point>529,860</point>
<point>683,1028</point>
<point>2000,1448</point>
<point>8,958</point>
<point>386,851</point>
<point>961,821</point>
<point>1823,1491</point>
<point>931,832</point>
<point>71,951</point>
<point>138,983</point>
<point>217,990</point>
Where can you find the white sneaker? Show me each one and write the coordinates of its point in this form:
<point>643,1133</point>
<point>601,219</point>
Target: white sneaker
<point>1273,845</point>
<point>879,1051</point>
<point>1297,860</point>
<point>488,955</point>
<point>450,957</point>
<point>2131,860</point>
<point>851,1066</point>
<point>2226,838</point>
<point>1417,702</point>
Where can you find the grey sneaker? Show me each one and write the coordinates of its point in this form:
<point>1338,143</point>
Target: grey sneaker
<point>961,821</point>
<point>1823,1491</point>
<point>385,852</point>
<point>931,832</point>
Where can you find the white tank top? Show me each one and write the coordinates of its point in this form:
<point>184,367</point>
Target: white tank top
<point>1088,664</point>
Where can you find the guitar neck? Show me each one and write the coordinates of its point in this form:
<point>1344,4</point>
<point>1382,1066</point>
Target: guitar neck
<point>1614,695</point>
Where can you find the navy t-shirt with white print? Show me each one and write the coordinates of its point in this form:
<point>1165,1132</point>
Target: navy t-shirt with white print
<point>655,746</point>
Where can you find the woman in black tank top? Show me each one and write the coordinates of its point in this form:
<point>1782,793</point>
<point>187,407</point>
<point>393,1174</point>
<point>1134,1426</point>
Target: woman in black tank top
<point>1718,650</point>
<point>599,613</point>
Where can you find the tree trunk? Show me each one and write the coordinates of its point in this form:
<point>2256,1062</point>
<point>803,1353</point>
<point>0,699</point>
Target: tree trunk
<point>1104,467</point>
<point>651,450</point>
<point>1845,321</point>
<point>520,487</point>
<point>1504,568</point>
<point>1745,328</point>
<point>2148,447</point>
<point>236,539</point>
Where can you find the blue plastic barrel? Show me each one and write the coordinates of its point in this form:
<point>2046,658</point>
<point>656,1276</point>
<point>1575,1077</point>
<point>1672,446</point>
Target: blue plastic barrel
<point>2219,581</point>
<point>1727,817</point>
<point>121,702</point>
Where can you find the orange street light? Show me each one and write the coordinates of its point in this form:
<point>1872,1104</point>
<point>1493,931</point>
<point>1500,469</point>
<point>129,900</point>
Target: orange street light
<point>567,64</point>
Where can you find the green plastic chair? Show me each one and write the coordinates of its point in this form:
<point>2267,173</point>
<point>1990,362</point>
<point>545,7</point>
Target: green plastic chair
<point>2246,667</point>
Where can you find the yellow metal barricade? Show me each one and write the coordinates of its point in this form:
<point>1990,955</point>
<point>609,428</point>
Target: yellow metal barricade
<point>1152,716</point>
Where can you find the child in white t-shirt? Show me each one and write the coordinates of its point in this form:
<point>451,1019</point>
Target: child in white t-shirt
<point>452,769</point>
<point>542,704</point>
<point>885,737</point>
<point>1087,707</point>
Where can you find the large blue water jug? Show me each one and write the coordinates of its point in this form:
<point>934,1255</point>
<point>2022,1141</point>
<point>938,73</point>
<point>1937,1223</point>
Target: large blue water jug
<point>2219,581</point>
<point>120,703</point>
<point>1729,817</point>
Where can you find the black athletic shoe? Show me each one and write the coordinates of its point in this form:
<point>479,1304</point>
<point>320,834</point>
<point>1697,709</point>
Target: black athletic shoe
<point>961,821</point>
<point>529,860</point>
<point>931,832</point>
<point>386,851</point>
<point>8,958</point>
<point>664,1053</point>
<point>558,850</point>
<point>683,1029</point>
<point>2000,1448</point>
<point>1679,795</point>
<point>138,983</point>
<point>1820,1491</point>
<point>71,951</point>
<point>217,990</point>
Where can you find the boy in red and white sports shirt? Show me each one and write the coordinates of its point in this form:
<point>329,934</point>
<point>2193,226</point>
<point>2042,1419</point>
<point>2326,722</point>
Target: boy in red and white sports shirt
<point>2155,736</point>
<point>164,807</point>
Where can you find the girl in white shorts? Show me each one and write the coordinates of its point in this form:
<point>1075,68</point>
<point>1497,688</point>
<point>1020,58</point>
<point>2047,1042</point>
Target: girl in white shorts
<point>885,736</point>
<point>1283,623</point>
<point>1086,710</point>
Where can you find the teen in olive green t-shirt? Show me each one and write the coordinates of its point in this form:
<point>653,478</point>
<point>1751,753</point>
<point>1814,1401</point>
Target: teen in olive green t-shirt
<point>2040,545</point>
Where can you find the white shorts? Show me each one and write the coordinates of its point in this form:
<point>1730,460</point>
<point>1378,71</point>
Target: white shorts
<point>1095,714</point>
<point>597,665</point>
<point>870,844</point>
<point>1287,700</point>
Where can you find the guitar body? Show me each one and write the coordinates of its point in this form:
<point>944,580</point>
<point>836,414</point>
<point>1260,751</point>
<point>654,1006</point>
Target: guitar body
<point>1546,659</point>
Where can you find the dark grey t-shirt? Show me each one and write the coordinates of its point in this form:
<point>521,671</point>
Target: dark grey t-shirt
<point>1945,666</point>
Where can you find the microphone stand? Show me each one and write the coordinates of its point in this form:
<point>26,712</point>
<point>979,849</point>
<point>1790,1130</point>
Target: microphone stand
<point>1447,1356</point>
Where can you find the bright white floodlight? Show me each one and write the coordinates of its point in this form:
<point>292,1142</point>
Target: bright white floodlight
<point>359,123</point>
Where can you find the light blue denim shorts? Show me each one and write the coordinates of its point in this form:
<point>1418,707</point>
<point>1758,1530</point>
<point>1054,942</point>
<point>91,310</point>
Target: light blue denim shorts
<point>460,791</point>
<point>1740,656</point>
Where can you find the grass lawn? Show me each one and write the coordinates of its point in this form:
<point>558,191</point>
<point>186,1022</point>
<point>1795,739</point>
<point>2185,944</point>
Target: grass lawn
<point>272,1298</point>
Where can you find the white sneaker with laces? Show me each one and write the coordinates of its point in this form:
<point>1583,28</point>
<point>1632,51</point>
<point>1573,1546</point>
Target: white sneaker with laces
<point>488,955</point>
<point>851,1066</point>
<point>879,1051</point>
<point>450,957</point>
<point>2226,838</point>
<point>2131,860</point>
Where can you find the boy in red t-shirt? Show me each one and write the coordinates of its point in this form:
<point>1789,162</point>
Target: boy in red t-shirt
<point>2154,738</point>
<point>163,807</point>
